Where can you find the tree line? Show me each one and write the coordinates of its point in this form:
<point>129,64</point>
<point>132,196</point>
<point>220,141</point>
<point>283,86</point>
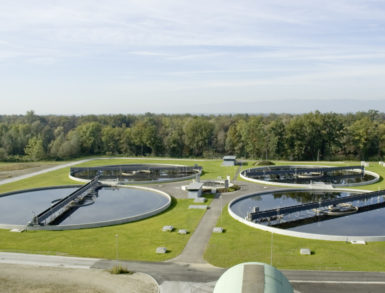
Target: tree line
<point>310,136</point>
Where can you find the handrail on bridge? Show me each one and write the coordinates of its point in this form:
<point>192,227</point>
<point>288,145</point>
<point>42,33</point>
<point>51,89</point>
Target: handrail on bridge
<point>294,170</point>
<point>313,205</point>
<point>64,202</point>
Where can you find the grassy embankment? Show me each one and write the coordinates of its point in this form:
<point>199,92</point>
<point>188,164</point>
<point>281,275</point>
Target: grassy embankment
<point>136,241</point>
<point>241,243</point>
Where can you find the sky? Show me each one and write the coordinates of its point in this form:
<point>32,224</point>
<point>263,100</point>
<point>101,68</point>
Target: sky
<point>162,56</point>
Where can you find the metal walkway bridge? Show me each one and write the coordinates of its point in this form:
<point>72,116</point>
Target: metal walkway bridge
<point>279,212</point>
<point>299,170</point>
<point>61,207</point>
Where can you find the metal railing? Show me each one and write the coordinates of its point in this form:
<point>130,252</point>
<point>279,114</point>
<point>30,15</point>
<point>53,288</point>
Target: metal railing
<point>60,207</point>
<point>299,170</point>
<point>313,205</point>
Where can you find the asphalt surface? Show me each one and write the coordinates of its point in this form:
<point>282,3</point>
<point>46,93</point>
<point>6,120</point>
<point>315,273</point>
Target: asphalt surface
<point>174,277</point>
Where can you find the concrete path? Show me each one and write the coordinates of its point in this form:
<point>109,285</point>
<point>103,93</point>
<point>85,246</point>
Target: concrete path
<point>196,246</point>
<point>17,178</point>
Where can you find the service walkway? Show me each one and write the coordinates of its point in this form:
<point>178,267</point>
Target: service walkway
<point>196,246</point>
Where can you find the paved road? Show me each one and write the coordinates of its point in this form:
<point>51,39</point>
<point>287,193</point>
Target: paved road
<point>174,277</point>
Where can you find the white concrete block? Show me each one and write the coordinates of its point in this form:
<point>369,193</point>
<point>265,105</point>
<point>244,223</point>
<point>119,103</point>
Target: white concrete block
<point>201,207</point>
<point>218,230</point>
<point>161,250</point>
<point>305,251</point>
<point>168,228</point>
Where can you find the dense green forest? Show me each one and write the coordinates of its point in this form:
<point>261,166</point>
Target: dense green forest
<point>311,136</point>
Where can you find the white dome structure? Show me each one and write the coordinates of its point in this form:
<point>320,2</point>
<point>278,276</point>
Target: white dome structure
<point>253,277</point>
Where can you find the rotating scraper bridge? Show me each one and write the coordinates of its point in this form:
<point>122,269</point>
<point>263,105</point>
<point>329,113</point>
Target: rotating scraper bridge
<point>295,170</point>
<point>132,173</point>
<point>66,205</point>
<point>274,216</point>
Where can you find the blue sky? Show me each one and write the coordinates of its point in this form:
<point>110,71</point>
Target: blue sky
<point>79,57</point>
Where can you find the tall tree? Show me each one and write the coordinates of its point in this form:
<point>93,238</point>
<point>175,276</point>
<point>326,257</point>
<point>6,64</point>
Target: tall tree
<point>198,135</point>
<point>89,134</point>
<point>34,149</point>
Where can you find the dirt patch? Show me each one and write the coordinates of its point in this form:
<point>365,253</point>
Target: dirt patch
<point>34,279</point>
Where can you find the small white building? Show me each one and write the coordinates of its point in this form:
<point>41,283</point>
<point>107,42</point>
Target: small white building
<point>194,190</point>
<point>229,161</point>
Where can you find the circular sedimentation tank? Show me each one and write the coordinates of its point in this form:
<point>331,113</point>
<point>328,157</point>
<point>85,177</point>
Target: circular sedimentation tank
<point>106,206</point>
<point>305,175</point>
<point>357,220</point>
<point>136,173</point>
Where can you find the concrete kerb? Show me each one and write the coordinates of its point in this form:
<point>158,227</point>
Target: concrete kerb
<point>114,222</point>
<point>301,234</point>
<point>96,224</point>
<point>144,182</point>
<point>376,179</point>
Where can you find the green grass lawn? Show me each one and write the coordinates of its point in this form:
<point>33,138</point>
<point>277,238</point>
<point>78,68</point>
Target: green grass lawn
<point>57,177</point>
<point>241,243</point>
<point>136,241</point>
<point>212,170</point>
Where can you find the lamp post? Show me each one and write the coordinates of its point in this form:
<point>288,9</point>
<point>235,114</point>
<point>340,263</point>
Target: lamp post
<point>221,209</point>
<point>117,246</point>
<point>271,249</point>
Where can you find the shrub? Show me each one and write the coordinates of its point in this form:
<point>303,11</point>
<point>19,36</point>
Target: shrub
<point>118,270</point>
<point>263,163</point>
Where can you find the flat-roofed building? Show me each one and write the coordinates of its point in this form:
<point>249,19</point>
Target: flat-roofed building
<point>229,161</point>
<point>194,190</point>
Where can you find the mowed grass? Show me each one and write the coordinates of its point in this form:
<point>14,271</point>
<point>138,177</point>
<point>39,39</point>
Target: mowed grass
<point>57,177</point>
<point>135,241</point>
<point>212,169</point>
<point>138,240</point>
<point>241,243</point>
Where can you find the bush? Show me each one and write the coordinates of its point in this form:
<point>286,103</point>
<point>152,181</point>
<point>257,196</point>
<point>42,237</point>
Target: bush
<point>263,163</point>
<point>230,189</point>
<point>118,270</point>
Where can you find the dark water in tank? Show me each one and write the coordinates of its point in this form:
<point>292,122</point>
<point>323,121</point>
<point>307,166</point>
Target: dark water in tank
<point>108,204</point>
<point>334,177</point>
<point>157,175</point>
<point>369,223</point>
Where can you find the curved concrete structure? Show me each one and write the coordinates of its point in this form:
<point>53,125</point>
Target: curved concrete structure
<point>137,168</point>
<point>94,224</point>
<point>301,234</point>
<point>312,185</point>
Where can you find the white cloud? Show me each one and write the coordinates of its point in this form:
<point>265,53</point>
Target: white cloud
<point>163,48</point>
